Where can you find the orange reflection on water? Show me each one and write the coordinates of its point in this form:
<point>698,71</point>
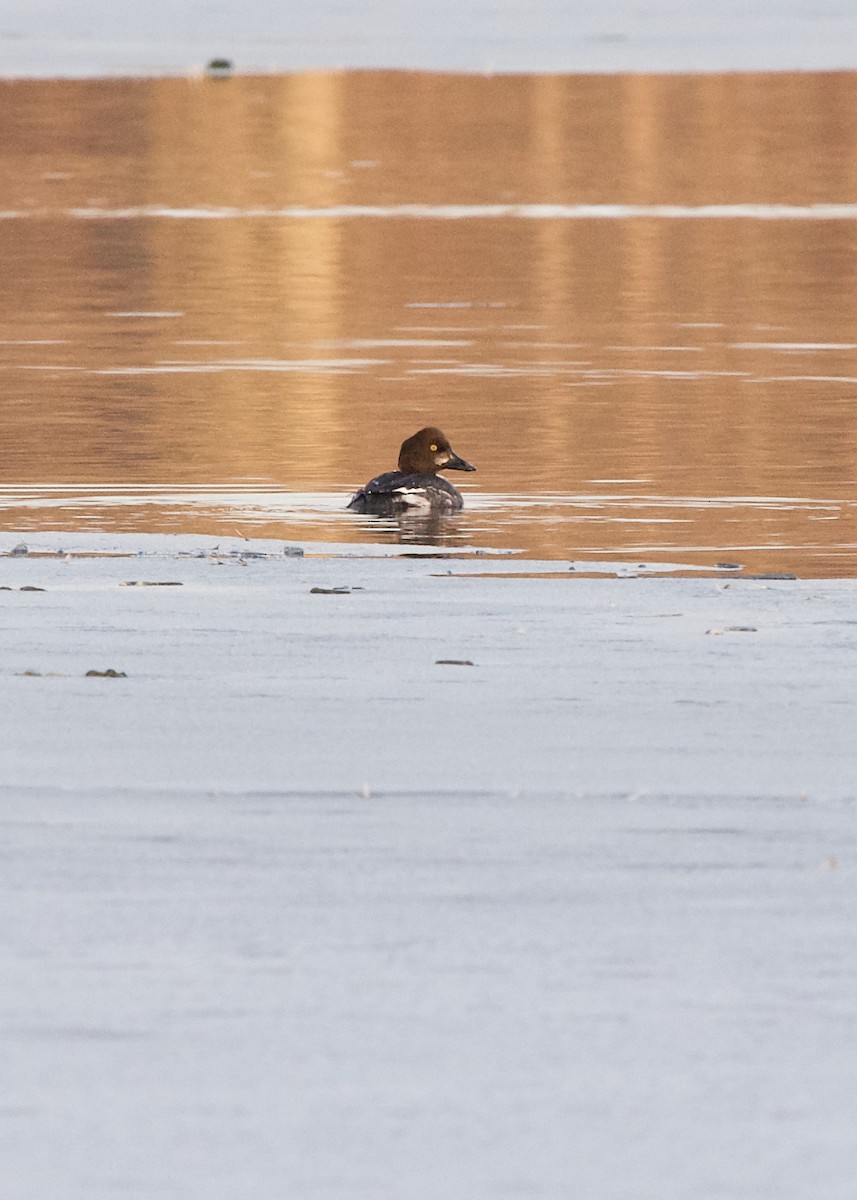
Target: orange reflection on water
<point>182,309</point>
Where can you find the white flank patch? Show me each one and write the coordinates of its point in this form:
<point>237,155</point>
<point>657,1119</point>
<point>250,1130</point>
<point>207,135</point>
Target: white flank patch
<point>414,497</point>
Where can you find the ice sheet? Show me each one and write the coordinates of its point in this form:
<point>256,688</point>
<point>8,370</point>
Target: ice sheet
<point>293,910</point>
<point>97,37</point>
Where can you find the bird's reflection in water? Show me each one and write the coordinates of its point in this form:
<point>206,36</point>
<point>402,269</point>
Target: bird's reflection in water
<point>412,529</point>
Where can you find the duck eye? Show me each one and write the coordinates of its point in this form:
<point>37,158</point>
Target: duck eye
<point>433,448</point>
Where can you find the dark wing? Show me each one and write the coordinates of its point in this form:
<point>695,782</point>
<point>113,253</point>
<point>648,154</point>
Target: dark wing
<point>375,492</point>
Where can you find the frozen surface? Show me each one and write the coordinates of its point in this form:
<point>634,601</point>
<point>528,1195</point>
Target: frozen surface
<point>104,37</point>
<point>244,680</point>
<point>292,910</point>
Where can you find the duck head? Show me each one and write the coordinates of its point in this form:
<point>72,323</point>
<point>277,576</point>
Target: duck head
<point>428,452</point>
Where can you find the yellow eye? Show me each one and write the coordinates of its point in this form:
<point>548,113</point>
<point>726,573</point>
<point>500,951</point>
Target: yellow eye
<point>432,447</point>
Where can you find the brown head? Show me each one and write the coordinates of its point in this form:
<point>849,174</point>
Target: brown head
<point>428,452</point>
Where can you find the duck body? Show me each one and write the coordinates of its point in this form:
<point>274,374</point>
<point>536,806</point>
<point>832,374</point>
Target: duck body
<point>397,492</point>
<point>415,487</point>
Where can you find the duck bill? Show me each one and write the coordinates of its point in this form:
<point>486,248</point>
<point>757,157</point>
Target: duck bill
<point>457,464</point>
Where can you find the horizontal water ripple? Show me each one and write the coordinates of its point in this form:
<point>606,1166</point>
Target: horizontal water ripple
<point>276,500</point>
<point>458,212</point>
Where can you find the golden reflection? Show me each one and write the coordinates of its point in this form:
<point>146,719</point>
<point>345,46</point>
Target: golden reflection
<point>165,322</point>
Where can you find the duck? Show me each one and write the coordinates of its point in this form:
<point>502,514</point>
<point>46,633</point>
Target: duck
<point>416,486</point>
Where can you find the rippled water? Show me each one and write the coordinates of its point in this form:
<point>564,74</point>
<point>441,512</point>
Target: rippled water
<point>629,300</point>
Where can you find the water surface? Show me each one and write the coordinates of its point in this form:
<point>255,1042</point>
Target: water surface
<point>630,300</point>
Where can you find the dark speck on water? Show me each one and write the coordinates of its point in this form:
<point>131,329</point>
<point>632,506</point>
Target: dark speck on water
<point>219,68</point>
